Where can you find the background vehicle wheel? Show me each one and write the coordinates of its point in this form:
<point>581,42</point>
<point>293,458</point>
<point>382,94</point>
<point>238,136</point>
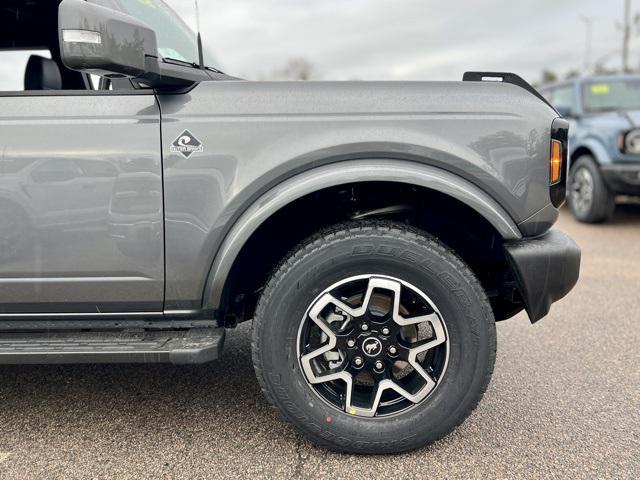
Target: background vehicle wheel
<point>589,197</point>
<point>373,338</point>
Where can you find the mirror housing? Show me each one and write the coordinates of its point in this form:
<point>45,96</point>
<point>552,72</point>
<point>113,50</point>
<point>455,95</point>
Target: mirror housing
<point>105,42</point>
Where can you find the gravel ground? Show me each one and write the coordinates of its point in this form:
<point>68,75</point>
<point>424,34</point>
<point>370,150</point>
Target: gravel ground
<point>564,402</point>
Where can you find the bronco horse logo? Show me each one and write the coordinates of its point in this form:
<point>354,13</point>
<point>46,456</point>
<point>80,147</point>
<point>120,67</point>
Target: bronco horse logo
<point>372,346</point>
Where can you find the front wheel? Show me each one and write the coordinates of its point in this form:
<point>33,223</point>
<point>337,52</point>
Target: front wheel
<point>373,338</point>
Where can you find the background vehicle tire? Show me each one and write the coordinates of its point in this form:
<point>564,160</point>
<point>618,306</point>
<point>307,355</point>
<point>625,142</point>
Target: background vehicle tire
<point>589,197</point>
<point>374,253</point>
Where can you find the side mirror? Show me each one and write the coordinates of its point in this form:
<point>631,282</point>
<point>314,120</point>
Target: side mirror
<point>104,42</point>
<point>566,112</point>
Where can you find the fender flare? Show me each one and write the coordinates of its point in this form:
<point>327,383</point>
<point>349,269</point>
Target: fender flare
<point>596,148</point>
<point>352,171</point>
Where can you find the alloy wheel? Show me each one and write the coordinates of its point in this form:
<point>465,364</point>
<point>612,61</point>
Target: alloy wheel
<point>373,345</point>
<point>582,190</point>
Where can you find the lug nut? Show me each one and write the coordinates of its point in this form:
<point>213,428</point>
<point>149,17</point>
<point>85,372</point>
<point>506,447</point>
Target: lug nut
<point>364,327</point>
<point>351,343</point>
<point>385,331</point>
<point>358,361</point>
<point>379,365</point>
<point>393,350</point>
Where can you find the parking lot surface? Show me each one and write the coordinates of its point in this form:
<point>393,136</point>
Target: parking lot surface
<point>564,402</point>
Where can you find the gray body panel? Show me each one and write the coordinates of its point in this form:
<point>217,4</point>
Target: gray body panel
<point>81,180</point>
<point>88,192</point>
<point>256,135</point>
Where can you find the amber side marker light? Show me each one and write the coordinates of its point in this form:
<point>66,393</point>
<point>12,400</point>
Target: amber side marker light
<point>555,162</point>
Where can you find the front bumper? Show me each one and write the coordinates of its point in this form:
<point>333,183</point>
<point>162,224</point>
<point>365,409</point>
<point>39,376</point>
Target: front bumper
<point>622,179</point>
<point>546,268</point>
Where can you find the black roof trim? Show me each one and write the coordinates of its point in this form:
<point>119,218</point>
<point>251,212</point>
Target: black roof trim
<point>504,77</point>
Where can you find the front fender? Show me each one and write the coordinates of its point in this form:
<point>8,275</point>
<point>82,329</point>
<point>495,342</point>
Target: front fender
<point>337,174</point>
<point>596,147</point>
<point>255,135</point>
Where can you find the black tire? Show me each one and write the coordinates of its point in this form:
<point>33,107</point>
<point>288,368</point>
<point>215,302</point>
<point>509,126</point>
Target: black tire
<point>589,205</point>
<point>386,249</point>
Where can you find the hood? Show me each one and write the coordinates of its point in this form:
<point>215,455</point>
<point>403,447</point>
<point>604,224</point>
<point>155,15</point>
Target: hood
<point>477,99</point>
<point>606,128</point>
<point>614,120</point>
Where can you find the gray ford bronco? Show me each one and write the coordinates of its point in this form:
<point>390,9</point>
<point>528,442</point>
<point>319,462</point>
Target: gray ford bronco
<point>374,232</point>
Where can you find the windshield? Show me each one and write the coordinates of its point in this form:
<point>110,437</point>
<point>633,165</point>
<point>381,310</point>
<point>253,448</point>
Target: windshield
<point>175,38</point>
<point>621,94</point>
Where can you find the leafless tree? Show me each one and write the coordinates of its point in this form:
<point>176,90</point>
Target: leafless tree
<point>296,69</point>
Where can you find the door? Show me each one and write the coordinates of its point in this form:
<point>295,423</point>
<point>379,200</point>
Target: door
<point>80,203</point>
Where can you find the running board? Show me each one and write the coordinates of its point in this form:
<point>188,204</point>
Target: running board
<point>179,347</point>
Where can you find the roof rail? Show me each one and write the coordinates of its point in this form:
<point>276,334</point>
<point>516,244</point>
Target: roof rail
<point>504,77</point>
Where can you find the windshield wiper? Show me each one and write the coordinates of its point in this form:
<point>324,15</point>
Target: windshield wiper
<point>215,70</point>
<point>184,63</point>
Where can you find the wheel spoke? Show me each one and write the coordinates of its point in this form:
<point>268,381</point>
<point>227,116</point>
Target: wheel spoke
<point>582,189</point>
<point>305,360</point>
<point>426,344</point>
<point>389,384</point>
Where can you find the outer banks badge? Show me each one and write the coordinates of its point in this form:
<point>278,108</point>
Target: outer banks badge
<point>186,144</point>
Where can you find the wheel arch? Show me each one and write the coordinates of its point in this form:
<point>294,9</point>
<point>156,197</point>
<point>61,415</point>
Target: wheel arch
<point>593,148</point>
<point>343,173</point>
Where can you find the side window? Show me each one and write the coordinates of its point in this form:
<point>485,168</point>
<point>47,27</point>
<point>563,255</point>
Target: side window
<point>563,98</point>
<point>13,68</point>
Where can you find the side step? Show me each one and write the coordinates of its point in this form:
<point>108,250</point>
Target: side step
<point>198,345</point>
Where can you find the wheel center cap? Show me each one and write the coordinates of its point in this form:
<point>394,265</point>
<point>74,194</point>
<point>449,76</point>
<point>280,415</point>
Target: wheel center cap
<point>372,347</point>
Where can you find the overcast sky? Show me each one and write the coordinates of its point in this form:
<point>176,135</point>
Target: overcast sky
<point>408,39</point>
<point>400,39</point>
